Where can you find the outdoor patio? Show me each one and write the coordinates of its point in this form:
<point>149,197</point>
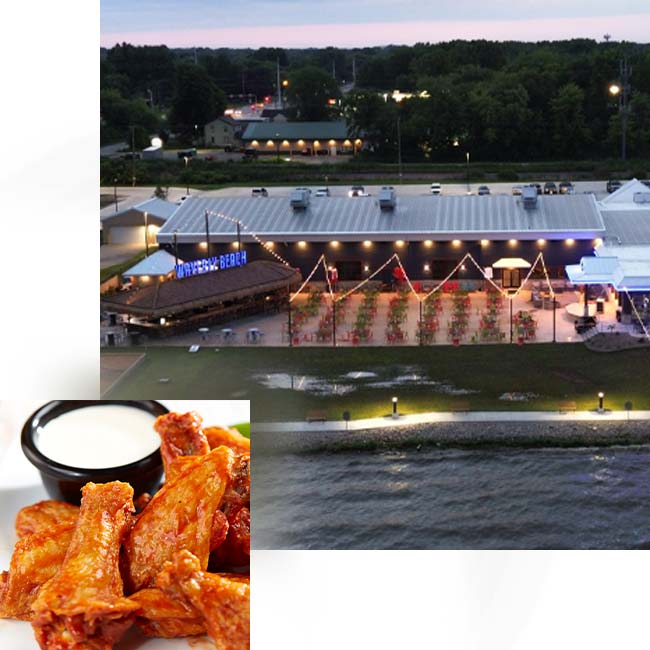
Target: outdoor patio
<point>374,318</point>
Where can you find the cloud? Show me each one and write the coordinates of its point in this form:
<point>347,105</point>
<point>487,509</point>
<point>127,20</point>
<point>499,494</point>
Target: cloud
<point>352,34</point>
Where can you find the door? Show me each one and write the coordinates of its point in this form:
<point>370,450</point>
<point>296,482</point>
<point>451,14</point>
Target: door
<point>511,278</point>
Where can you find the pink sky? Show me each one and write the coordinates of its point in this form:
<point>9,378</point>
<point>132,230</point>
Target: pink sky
<point>629,27</point>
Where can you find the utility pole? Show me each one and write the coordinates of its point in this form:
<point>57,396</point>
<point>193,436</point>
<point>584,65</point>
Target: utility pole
<point>334,68</point>
<point>132,154</point>
<point>626,72</point>
<point>207,234</point>
<point>238,236</point>
<point>176,247</point>
<point>278,83</point>
<point>399,147</point>
<point>354,70</point>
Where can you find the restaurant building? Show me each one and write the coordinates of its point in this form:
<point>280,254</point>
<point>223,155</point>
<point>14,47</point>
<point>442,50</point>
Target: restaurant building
<point>357,235</point>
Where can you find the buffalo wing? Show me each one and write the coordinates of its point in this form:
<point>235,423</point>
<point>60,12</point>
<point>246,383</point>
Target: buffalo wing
<point>43,516</point>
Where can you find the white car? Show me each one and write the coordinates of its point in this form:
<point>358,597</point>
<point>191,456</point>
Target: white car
<point>436,188</point>
<point>322,191</point>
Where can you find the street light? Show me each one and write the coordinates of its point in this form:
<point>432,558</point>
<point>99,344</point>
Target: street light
<point>394,401</point>
<point>186,159</point>
<point>601,398</point>
<point>621,89</point>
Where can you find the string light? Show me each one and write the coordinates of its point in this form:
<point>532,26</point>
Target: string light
<point>370,277</point>
<point>309,277</point>
<point>636,313</point>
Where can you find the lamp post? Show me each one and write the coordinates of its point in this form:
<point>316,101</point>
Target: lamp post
<point>394,402</point>
<point>207,234</point>
<point>601,399</point>
<point>186,159</point>
<point>176,247</point>
<point>146,234</point>
<point>622,91</point>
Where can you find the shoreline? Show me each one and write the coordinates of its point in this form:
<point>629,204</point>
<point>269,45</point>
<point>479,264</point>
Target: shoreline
<point>467,435</point>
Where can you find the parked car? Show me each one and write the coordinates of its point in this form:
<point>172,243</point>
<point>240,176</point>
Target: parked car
<point>357,190</point>
<point>516,190</point>
<point>538,187</point>
<point>303,189</point>
<point>612,186</point>
<point>259,191</point>
<point>550,188</point>
<point>566,187</point>
<point>483,190</point>
<point>436,188</point>
<point>322,191</point>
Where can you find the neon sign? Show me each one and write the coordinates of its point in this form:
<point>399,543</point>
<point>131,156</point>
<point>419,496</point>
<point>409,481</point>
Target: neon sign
<point>210,264</point>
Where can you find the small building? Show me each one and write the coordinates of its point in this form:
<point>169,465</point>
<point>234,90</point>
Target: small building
<point>128,226</point>
<point>307,138</point>
<point>212,296</point>
<point>157,267</point>
<point>223,132</point>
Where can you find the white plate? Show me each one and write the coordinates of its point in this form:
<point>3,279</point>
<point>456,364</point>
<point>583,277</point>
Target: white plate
<point>20,485</point>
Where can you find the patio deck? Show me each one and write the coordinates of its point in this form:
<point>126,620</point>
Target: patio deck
<point>274,327</point>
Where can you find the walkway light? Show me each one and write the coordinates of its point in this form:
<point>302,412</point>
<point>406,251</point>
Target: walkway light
<point>394,401</point>
<point>302,244</point>
<point>428,243</point>
<point>235,244</point>
<point>569,242</point>
<point>512,242</point>
<point>541,242</point>
<point>367,243</point>
<point>456,243</point>
<point>334,244</point>
<point>601,399</point>
<point>485,242</point>
<point>399,243</point>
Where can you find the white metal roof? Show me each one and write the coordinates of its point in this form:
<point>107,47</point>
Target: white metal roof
<point>158,263</point>
<point>350,219</point>
<point>155,207</point>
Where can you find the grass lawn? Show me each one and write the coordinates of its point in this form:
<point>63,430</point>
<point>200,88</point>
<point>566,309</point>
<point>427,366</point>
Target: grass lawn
<point>117,269</point>
<point>555,372</point>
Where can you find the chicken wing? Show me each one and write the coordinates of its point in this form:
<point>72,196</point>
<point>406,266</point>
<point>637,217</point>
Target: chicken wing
<point>180,435</point>
<point>36,558</point>
<point>230,437</point>
<point>222,599</point>
<point>161,615</point>
<point>43,516</point>
<point>83,606</point>
<point>179,516</point>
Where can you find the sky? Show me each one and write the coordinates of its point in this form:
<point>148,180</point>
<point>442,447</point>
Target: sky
<point>350,23</point>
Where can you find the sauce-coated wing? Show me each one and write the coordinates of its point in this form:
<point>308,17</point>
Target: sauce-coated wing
<point>180,516</point>
<point>229,437</point>
<point>36,558</point>
<point>161,615</point>
<point>235,551</point>
<point>223,599</point>
<point>180,435</point>
<point>43,516</point>
<point>83,606</point>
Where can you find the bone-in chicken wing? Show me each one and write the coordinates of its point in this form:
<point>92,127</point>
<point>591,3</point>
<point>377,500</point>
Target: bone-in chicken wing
<point>180,435</point>
<point>36,558</point>
<point>161,615</point>
<point>83,606</point>
<point>230,437</point>
<point>180,516</point>
<point>222,599</point>
<point>43,516</point>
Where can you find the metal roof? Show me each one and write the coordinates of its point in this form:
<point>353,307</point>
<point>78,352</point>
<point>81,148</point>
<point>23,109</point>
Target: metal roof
<point>296,130</point>
<point>155,207</point>
<point>414,218</point>
<point>159,263</point>
<point>627,227</point>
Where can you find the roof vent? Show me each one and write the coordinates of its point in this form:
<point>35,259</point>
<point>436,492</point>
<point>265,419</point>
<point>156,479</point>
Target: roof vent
<point>387,198</point>
<point>641,197</point>
<point>529,197</point>
<point>299,199</point>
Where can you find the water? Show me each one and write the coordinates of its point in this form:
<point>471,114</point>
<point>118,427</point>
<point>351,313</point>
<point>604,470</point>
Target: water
<point>453,499</point>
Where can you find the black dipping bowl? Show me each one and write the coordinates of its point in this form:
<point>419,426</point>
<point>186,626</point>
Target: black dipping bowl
<point>64,482</point>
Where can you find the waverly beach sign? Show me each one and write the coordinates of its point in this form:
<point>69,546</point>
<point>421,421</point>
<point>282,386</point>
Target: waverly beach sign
<point>210,264</point>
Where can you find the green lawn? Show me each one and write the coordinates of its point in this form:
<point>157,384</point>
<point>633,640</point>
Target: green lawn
<point>555,372</point>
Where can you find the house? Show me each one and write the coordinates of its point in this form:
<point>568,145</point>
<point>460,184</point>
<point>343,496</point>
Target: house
<point>127,226</point>
<point>223,132</point>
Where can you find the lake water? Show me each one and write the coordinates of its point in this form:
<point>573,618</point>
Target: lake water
<point>453,499</point>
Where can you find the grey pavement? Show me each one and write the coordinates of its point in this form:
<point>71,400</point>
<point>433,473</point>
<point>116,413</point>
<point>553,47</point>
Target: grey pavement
<point>335,426</point>
<point>111,254</point>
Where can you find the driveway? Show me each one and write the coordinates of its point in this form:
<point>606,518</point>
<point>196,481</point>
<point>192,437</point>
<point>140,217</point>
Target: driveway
<point>111,254</point>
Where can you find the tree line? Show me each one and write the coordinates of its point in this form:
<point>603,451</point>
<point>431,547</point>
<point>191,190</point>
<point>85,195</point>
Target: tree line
<point>495,100</point>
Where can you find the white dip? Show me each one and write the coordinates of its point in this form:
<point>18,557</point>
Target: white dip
<point>95,437</point>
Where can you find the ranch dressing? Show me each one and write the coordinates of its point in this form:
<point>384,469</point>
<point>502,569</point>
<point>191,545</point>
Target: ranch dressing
<point>96,437</point>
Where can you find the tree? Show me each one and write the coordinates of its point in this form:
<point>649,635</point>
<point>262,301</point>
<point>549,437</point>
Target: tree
<point>309,90</point>
<point>196,99</point>
<point>120,115</point>
<point>570,133</point>
<point>369,117</point>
